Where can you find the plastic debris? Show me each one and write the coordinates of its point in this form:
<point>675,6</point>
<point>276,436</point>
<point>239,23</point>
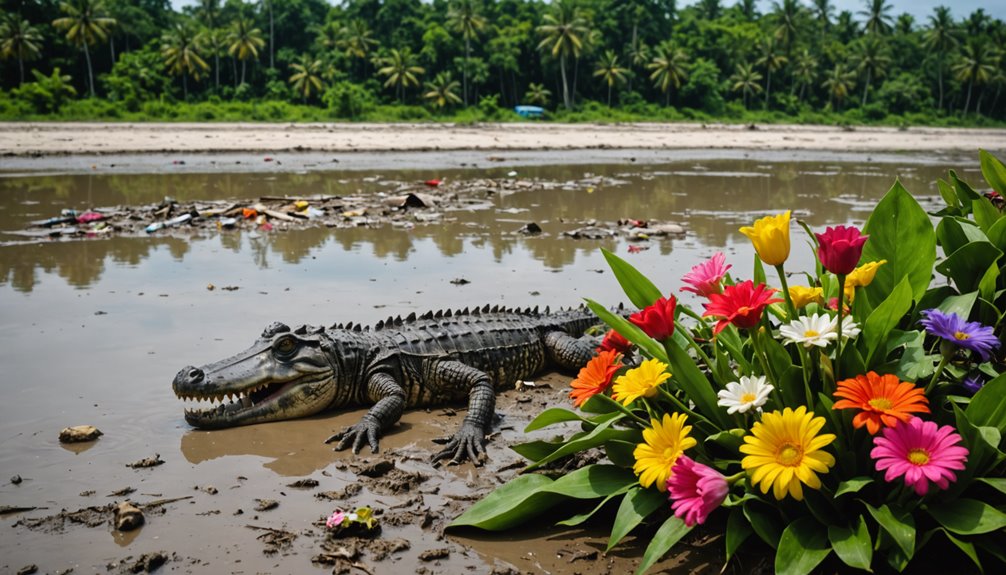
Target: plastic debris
<point>89,216</point>
<point>434,183</point>
<point>169,223</point>
<point>249,213</point>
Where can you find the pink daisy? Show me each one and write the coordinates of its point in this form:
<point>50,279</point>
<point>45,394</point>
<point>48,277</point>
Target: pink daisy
<point>696,490</point>
<point>920,451</point>
<point>705,278</point>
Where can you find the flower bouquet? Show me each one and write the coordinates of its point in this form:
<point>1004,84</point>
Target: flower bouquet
<point>359,523</point>
<point>856,416</point>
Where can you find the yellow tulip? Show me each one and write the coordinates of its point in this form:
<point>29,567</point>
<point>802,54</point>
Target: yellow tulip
<point>770,237</point>
<point>861,277</point>
<point>803,295</point>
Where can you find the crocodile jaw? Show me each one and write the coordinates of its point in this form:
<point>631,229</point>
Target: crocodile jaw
<point>260,402</point>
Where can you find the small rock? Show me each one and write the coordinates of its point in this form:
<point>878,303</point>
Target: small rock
<point>266,504</point>
<point>304,484</point>
<point>127,516</point>
<point>434,554</point>
<point>149,562</point>
<point>16,480</point>
<point>530,229</point>
<point>147,462</point>
<point>79,434</point>
<point>460,281</point>
<point>28,569</point>
<point>376,469</point>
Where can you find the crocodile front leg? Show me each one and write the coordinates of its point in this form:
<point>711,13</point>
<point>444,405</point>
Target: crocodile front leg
<point>469,441</point>
<point>389,398</point>
<point>566,352</point>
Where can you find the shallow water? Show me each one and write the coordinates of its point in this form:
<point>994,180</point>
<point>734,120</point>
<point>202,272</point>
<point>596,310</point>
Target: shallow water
<point>92,331</point>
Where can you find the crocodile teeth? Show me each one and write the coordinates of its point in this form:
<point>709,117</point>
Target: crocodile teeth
<point>246,401</point>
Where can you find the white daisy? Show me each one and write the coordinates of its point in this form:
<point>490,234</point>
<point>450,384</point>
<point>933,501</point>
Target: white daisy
<point>817,329</point>
<point>850,329</point>
<point>741,396</point>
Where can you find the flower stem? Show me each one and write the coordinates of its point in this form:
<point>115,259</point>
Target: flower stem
<point>838,330</point>
<point>785,290</point>
<point>760,353</point>
<point>684,408</point>
<point>936,375</point>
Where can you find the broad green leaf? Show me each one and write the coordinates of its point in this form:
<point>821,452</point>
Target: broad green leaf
<point>898,524</point>
<point>966,546</point>
<point>636,506</point>
<point>997,234</point>
<point>691,380</point>
<point>802,547</point>
<point>535,450</point>
<point>949,196</point>
<point>738,531</point>
<point>637,287</point>
<point>730,439</point>
<point>620,452</point>
<point>594,438</point>
<point>765,522</point>
<point>901,233</point>
<point>559,415</point>
<point>993,170</point>
<point>968,265</point>
<point>530,495</point>
<point>886,317</point>
<point>852,544</point>
<point>582,517</point>
<point>959,304</point>
<point>998,483</point>
<point>666,537</point>
<point>955,233</point>
<point>968,516</point>
<point>628,330</point>
<point>914,364</point>
<point>988,406</point>
<point>964,191</point>
<point>852,485</point>
<point>986,215</point>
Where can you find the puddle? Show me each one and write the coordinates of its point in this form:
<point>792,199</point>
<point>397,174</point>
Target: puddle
<point>93,330</point>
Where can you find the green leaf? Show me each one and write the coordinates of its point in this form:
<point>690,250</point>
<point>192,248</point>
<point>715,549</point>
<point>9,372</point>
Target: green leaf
<point>738,531</point>
<point>636,506</point>
<point>691,380</point>
<point>765,525</point>
<point>965,192</point>
<point>629,331</point>
<point>580,442</point>
<point>997,234</point>
<point>852,485</point>
<point>998,483</point>
<point>966,546</point>
<point>535,450</point>
<point>968,516</point>
<point>959,304</point>
<point>557,415</point>
<point>949,196</point>
<point>578,519</point>
<point>993,170</point>
<point>900,232</point>
<point>637,287</point>
<point>802,547</point>
<point>986,215</point>
<point>852,544</point>
<point>955,233</point>
<point>620,452</point>
<point>666,537</point>
<point>898,524</point>
<point>988,406</point>
<point>530,495</point>
<point>968,265</point>
<point>886,317</point>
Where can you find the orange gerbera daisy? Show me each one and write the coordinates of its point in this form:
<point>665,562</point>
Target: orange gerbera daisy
<point>595,377</point>
<point>882,399</point>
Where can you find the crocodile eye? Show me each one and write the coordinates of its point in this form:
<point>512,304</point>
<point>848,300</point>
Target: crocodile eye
<point>285,346</point>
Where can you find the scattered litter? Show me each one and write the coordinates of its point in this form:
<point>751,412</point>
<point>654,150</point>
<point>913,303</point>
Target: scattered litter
<point>530,229</point>
<point>460,281</point>
<point>169,223</point>
<point>266,504</point>
<point>433,183</point>
<point>79,434</point>
<point>512,174</point>
<point>147,462</point>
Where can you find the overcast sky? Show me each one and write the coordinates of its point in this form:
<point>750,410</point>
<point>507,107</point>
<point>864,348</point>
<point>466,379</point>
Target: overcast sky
<point>921,9</point>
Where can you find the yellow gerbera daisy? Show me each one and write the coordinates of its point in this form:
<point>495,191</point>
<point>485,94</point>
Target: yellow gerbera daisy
<point>784,450</point>
<point>665,441</point>
<point>640,382</point>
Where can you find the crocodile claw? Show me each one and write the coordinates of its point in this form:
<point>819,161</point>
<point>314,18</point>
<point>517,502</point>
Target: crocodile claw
<point>368,430</point>
<point>467,443</point>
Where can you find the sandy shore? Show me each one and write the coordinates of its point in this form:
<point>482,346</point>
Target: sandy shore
<point>53,139</point>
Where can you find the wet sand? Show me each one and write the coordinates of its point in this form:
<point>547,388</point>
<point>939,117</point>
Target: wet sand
<point>56,139</point>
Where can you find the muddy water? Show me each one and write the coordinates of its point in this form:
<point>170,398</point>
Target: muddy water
<point>93,330</point>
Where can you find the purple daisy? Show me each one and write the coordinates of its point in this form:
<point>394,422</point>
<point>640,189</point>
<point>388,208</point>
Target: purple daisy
<point>967,334</point>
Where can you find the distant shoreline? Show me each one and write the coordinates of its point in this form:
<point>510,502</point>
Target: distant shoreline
<point>37,139</point>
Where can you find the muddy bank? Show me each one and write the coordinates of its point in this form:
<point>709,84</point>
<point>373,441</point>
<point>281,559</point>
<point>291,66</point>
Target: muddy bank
<point>57,139</point>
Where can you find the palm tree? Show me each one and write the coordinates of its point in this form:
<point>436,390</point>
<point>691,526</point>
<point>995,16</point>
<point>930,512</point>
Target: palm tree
<point>267,4</point>
<point>639,56</point>
<point>180,49</point>
<point>976,22</point>
<point>787,27</point>
<point>564,31</point>
<point>746,81</point>
<point>537,94</point>
<point>356,40</point>
<point>213,41</point>
<point>86,22</point>
<point>904,24</point>
<point>940,38</point>
<point>402,71</point>
<point>245,41</point>
<point>670,68</point>
<point>878,16</point>
<point>306,77</point>
<point>772,60</point>
<point>709,9</point>
<point>839,82</point>
<point>976,66</point>
<point>871,59</point>
<point>824,11</point>
<point>463,16</point>
<point>610,71</point>
<point>442,91</point>
<point>19,39</point>
<point>748,9</point>
<point>209,12</point>
<point>804,71</point>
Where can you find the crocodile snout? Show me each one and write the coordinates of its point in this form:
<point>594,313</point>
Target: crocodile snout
<point>188,377</point>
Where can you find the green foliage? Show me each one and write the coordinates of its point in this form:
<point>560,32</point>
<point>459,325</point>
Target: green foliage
<point>854,507</point>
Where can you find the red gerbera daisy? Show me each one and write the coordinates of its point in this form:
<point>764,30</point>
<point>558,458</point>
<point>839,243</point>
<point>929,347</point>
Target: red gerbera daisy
<point>740,304</point>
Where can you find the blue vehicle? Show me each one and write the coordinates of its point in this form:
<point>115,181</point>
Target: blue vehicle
<point>529,111</point>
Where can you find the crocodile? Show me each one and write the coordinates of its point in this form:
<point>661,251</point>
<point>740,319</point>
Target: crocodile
<point>433,359</point>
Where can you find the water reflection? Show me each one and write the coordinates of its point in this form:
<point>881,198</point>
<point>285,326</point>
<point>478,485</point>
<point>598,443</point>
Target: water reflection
<point>711,199</point>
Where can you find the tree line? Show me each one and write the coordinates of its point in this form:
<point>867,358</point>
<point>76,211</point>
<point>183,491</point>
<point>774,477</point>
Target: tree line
<point>448,56</point>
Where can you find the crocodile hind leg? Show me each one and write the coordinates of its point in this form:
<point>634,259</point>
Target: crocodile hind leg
<point>389,398</point>
<point>567,352</point>
<point>469,441</point>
